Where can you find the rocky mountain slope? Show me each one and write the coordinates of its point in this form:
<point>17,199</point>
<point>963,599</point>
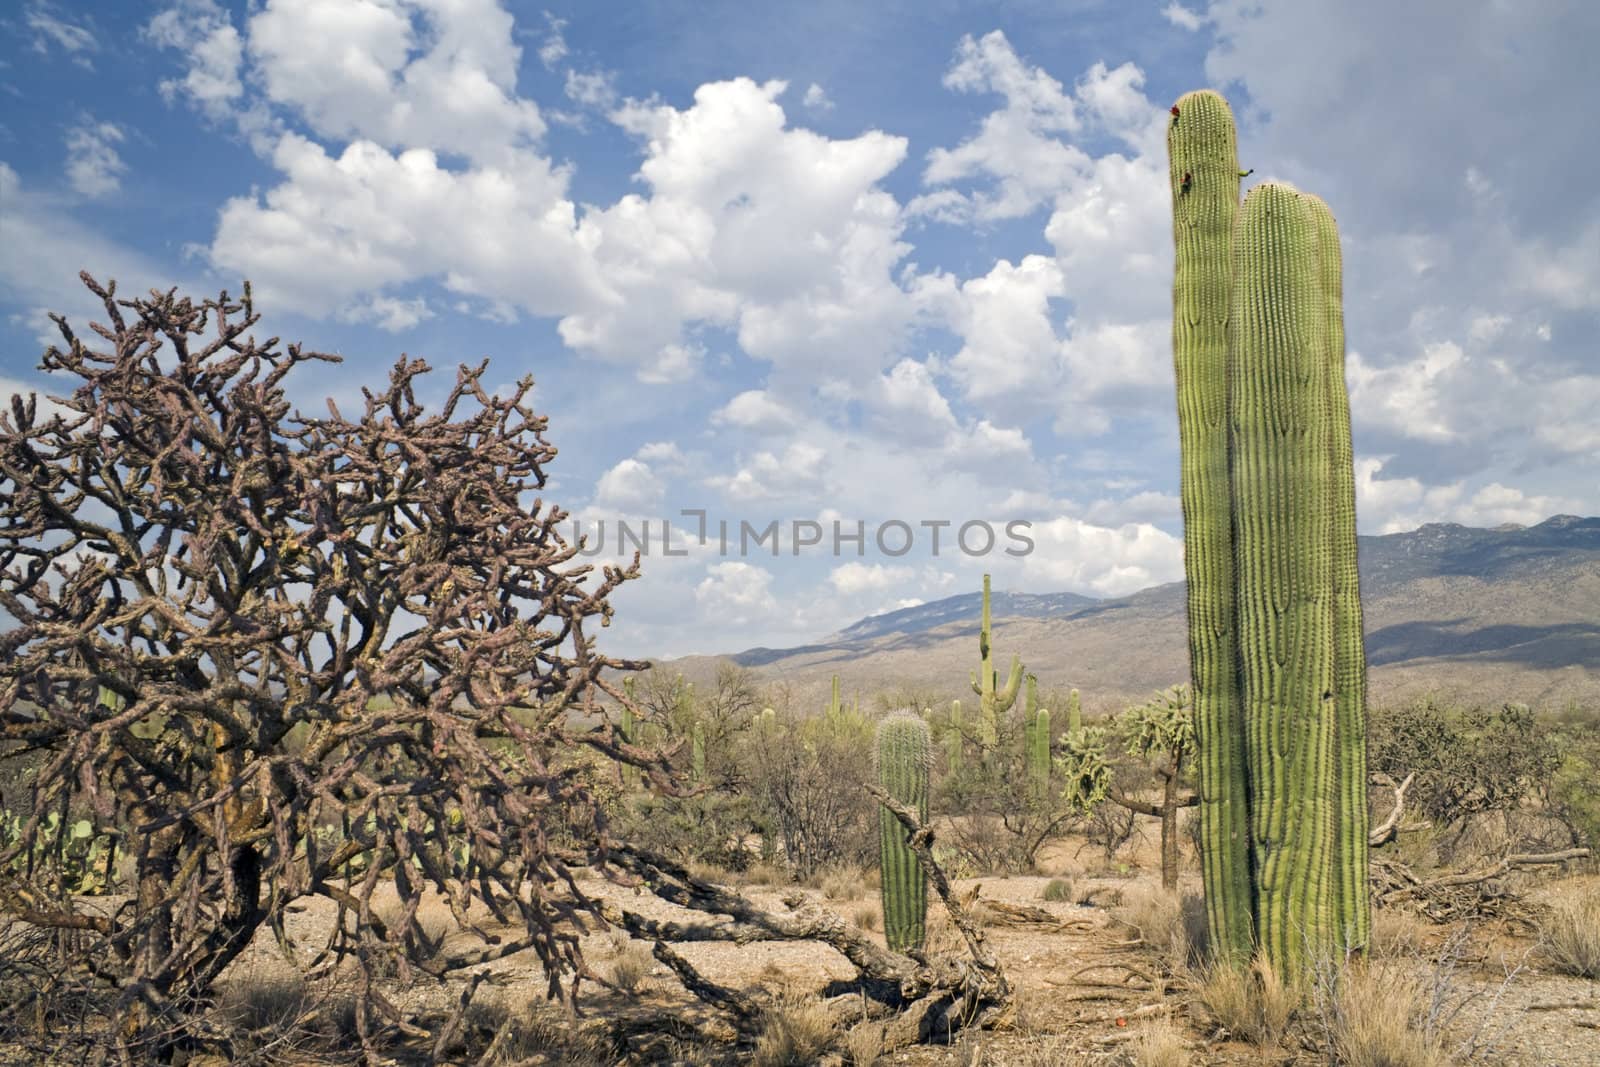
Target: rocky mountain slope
<point>1511,613</point>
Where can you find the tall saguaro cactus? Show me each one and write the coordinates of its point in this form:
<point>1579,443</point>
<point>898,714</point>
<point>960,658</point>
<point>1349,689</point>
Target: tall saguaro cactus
<point>1269,535</point>
<point>994,699</point>
<point>904,756</point>
<point>1204,172</point>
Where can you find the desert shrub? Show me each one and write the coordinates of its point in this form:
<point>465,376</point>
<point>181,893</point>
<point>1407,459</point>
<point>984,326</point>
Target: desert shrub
<point>1058,890</point>
<point>998,821</point>
<point>1571,794</point>
<point>866,916</point>
<point>806,776</point>
<point>712,824</point>
<point>1570,935</point>
<point>1466,760</point>
<point>265,625</point>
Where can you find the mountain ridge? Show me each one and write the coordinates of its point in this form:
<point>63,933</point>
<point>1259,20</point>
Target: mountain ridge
<point>1473,613</point>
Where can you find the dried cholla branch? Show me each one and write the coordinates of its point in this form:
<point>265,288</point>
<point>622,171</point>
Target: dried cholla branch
<point>236,630</point>
<point>918,999</point>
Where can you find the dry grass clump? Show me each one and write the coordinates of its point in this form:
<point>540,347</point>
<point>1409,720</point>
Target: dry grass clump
<point>866,916</point>
<point>535,1032</point>
<point>1376,1017</point>
<point>1569,938</point>
<point>281,1018</point>
<point>764,874</point>
<point>1159,1044</point>
<point>1057,890</point>
<point>842,883</point>
<point>632,966</point>
<point>1254,1005</point>
<point>1172,926</point>
<point>863,1044</point>
<point>795,1033</point>
<point>1397,933</point>
<point>706,871</point>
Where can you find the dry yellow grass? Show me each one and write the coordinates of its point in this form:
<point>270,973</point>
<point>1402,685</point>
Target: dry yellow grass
<point>1397,933</point>
<point>795,1033</point>
<point>1373,1022</point>
<point>632,966</point>
<point>1570,936</point>
<point>863,1044</point>
<point>1159,1044</point>
<point>1254,1005</point>
<point>842,883</point>
<point>1172,926</point>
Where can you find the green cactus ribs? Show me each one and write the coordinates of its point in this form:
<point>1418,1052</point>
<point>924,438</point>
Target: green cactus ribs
<point>1204,176</point>
<point>904,755</point>
<point>1274,611</point>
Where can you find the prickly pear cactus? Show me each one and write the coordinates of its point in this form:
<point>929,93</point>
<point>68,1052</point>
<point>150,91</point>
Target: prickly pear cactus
<point>904,755</point>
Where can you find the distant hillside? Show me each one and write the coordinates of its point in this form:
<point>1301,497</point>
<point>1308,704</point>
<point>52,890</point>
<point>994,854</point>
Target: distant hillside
<point>1511,613</point>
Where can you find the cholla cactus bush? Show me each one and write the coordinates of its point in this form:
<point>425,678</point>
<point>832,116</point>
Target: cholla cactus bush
<point>1156,740</point>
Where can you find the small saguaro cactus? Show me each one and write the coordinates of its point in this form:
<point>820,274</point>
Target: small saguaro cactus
<point>698,753</point>
<point>904,754</point>
<point>1074,713</point>
<point>1039,752</point>
<point>994,699</point>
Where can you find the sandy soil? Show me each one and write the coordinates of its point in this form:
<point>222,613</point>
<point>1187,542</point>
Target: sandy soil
<point>1075,980</point>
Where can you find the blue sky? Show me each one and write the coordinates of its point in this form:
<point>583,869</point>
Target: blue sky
<point>836,261</point>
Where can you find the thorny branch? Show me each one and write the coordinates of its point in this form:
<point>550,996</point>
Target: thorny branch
<point>274,657</point>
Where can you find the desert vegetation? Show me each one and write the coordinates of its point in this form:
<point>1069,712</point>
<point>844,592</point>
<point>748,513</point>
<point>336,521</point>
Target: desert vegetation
<point>310,752</point>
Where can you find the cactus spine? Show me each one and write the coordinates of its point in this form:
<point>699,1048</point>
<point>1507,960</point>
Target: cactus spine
<point>994,700</point>
<point>903,756</point>
<point>1269,536</point>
